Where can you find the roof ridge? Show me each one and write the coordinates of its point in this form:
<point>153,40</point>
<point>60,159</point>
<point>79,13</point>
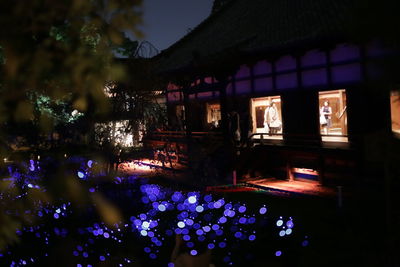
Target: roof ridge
<point>202,24</point>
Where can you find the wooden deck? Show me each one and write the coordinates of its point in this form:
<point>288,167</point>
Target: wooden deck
<point>307,188</point>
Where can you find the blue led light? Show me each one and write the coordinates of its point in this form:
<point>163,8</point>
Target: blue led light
<point>143,233</point>
<point>222,220</point>
<point>199,232</point>
<point>193,252</point>
<point>242,209</point>
<point>81,174</point>
<point>207,198</point>
<point>238,234</point>
<point>211,246</point>
<point>288,231</point>
<point>278,253</point>
<point>279,223</point>
<point>199,209</point>
<point>192,199</point>
<point>161,207</point>
<point>102,258</point>
<point>90,163</point>
<point>290,224</point>
<point>242,220</point>
<point>263,210</point>
<point>282,233</point>
<point>181,224</point>
<point>206,228</point>
<point>186,237</point>
<point>252,237</point>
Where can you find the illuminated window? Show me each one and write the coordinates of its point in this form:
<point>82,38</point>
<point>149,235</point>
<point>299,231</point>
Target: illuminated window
<point>395,110</point>
<point>333,115</point>
<point>267,117</point>
<point>214,115</point>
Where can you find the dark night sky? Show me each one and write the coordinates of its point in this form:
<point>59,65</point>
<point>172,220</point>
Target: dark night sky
<point>166,21</point>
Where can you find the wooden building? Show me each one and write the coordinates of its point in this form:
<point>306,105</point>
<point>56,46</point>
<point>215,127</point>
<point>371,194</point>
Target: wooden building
<point>311,96</point>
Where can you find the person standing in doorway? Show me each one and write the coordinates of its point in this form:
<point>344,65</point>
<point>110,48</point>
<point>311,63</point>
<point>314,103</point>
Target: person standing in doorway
<point>326,112</point>
<point>271,118</point>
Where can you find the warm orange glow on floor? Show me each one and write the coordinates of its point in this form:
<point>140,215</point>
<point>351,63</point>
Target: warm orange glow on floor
<point>146,166</point>
<point>310,188</point>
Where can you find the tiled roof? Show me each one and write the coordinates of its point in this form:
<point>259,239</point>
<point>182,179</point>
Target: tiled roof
<point>246,27</point>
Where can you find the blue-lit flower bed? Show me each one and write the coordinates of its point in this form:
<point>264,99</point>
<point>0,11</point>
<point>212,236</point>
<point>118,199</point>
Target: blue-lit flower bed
<point>146,222</point>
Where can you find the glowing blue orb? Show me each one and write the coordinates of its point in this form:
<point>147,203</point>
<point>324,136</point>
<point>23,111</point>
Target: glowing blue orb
<point>278,253</point>
<point>279,223</point>
<point>252,237</point>
<point>193,252</point>
<point>282,233</point>
<point>207,198</point>
<point>211,246</point>
<point>106,235</point>
<point>242,220</point>
<point>222,244</point>
<point>217,204</point>
<point>263,210</point>
<point>304,243</point>
<point>161,207</point>
<point>206,228</point>
<point>143,233</point>
<point>199,232</point>
<point>89,163</point>
<point>189,222</point>
<point>56,216</point>
<point>289,224</point>
<point>171,264</point>
<point>222,219</point>
<point>242,209</point>
<point>192,199</point>
<point>181,224</point>
<point>81,175</point>
<point>215,227</point>
<point>238,234</point>
<point>147,249</point>
<point>288,231</point>
<point>199,209</point>
<point>190,244</point>
<point>185,231</point>
<point>102,258</point>
<point>186,237</point>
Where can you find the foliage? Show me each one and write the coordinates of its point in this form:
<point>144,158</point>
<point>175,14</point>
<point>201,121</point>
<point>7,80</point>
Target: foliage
<point>56,57</point>
<point>56,48</point>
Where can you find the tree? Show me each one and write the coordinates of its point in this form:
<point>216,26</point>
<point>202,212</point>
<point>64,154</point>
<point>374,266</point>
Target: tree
<point>56,56</point>
<point>59,48</point>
